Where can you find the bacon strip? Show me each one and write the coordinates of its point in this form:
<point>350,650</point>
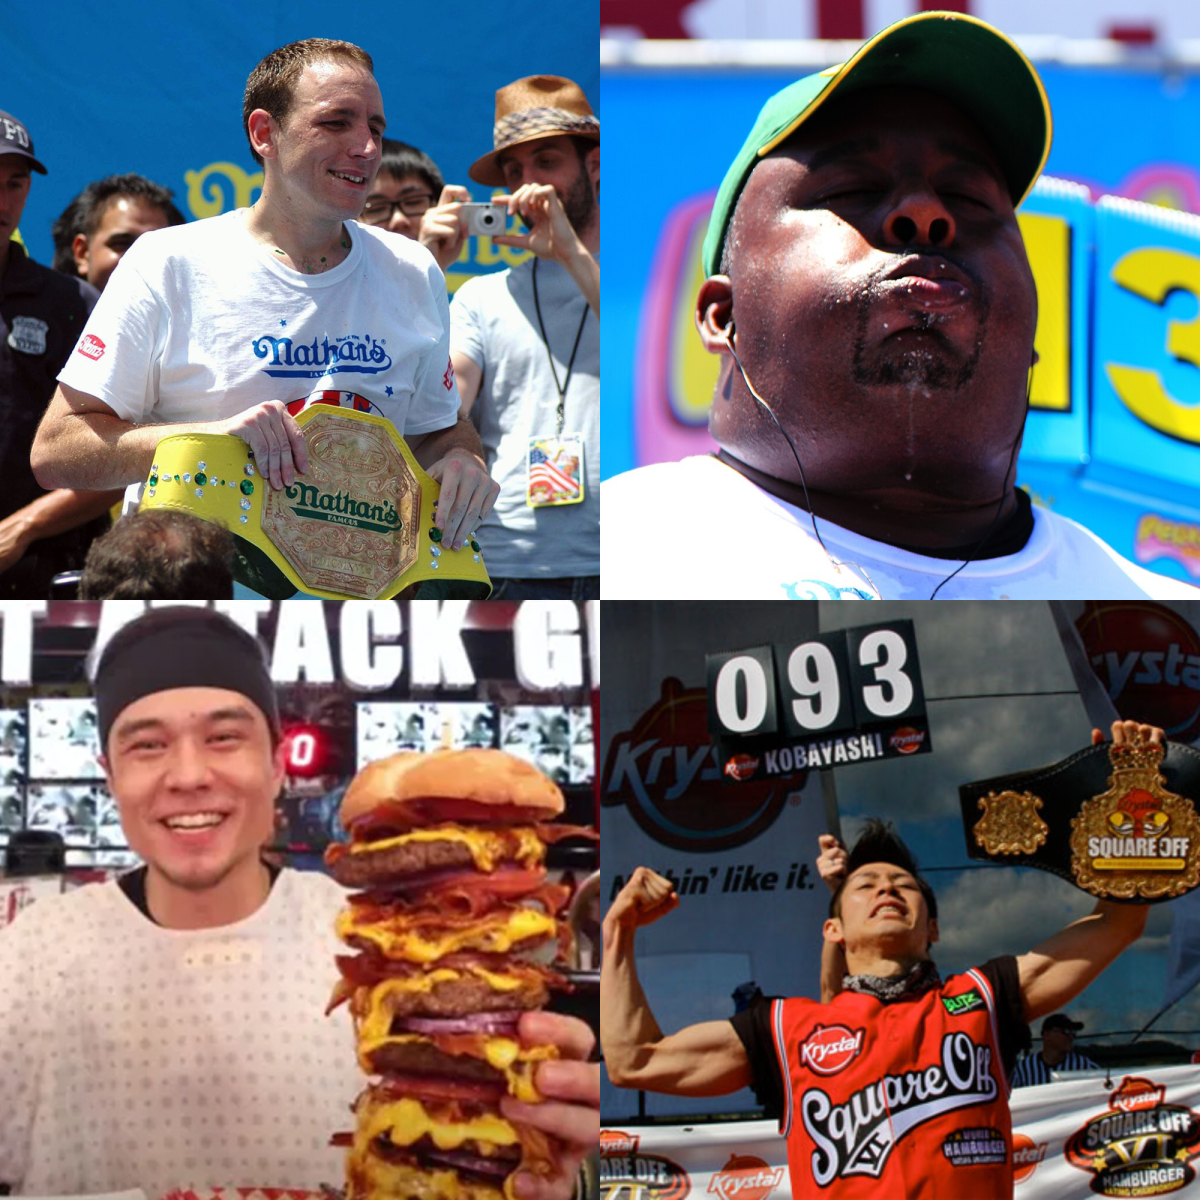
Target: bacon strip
<point>558,832</point>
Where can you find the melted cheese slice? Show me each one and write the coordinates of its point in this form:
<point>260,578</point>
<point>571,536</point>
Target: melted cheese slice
<point>488,847</point>
<point>503,1054</point>
<point>406,1122</point>
<point>496,933</point>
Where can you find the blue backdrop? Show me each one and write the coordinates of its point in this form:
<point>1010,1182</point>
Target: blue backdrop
<point>157,88</point>
<point>1133,132</point>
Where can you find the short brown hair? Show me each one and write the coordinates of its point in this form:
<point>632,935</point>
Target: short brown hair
<point>273,82</point>
<point>160,554</point>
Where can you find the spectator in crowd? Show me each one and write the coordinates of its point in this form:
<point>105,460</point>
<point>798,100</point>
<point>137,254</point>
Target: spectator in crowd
<point>42,314</point>
<point>105,219</point>
<point>63,232</point>
<point>1057,1053</point>
<point>160,554</point>
<point>525,344</point>
<point>178,341</point>
<point>402,200</point>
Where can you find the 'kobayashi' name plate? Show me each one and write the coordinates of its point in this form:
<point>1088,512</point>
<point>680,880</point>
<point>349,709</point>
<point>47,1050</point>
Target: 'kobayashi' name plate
<point>1119,822</point>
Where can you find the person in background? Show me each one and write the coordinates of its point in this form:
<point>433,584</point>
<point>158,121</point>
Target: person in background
<point>42,314</point>
<point>105,219</point>
<point>1058,1053</point>
<point>402,200</point>
<point>62,232</point>
<point>525,344</point>
<point>160,554</point>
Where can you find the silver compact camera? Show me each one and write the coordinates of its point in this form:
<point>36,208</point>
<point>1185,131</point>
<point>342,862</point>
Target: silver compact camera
<point>483,220</point>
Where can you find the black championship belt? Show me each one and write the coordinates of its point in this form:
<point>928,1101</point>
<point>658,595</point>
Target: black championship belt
<point>1116,821</point>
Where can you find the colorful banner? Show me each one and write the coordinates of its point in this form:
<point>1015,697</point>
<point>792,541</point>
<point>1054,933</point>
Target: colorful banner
<point>1132,1134</point>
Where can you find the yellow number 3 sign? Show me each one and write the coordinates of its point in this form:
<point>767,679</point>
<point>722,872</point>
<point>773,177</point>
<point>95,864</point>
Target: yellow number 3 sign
<point>1153,274</point>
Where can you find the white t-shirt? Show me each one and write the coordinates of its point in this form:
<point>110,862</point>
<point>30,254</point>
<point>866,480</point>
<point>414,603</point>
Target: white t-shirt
<point>494,323</point>
<point>727,539</point>
<point>133,1056</point>
<point>202,321</point>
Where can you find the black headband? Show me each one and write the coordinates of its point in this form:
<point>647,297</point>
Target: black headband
<point>176,648</point>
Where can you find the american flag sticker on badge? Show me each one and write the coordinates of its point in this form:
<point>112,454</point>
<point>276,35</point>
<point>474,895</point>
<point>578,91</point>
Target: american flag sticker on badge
<point>555,471</point>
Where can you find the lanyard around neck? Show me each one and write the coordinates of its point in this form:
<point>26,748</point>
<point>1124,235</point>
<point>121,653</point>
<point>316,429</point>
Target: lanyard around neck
<point>560,387</point>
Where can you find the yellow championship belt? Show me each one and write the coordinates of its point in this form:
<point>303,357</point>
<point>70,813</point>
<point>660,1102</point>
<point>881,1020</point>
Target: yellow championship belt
<point>357,525</point>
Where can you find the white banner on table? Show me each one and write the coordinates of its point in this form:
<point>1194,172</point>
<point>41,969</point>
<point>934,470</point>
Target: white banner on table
<point>1134,1134</point>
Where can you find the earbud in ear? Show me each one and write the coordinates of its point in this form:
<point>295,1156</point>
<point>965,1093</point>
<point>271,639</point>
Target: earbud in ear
<point>729,330</point>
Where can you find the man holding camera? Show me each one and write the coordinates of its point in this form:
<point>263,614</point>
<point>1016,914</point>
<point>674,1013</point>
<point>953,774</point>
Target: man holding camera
<point>525,344</point>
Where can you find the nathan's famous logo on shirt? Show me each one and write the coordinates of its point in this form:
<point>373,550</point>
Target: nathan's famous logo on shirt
<point>975,1147</point>
<point>1026,1154</point>
<point>857,1136</point>
<point>1140,1146</point>
<point>625,1174</point>
<point>745,1177</point>
<point>310,360</point>
<point>90,346</point>
<point>965,1002</point>
<point>829,1048</point>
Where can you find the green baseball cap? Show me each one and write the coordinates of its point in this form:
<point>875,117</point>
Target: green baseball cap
<point>961,57</point>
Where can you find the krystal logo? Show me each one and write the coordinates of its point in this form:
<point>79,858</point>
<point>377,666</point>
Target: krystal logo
<point>615,1141</point>
<point>745,1177</point>
<point>1026,1154</point>
<point>741,766</point>
<point>1137,1092</point>
<point>906,740</point>
<point>829,1048</point>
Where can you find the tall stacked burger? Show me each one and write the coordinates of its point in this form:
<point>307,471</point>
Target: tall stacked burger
<point>455,932</point>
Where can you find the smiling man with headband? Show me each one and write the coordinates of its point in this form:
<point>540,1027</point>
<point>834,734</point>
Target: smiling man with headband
<point>869,293</point>
<point>165,1031</point>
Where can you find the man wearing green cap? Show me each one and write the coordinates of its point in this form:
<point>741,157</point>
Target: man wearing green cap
<point>869,293</point>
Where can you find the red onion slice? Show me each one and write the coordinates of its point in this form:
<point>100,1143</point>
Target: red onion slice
<point>478,1023</point>
<point>471,1162</point>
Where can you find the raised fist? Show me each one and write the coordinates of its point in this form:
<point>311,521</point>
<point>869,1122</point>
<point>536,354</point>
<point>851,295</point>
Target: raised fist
<point>646,897</point>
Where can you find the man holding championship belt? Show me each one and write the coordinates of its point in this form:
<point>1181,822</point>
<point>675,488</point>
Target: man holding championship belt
<point>878,1087</point>
<point>221,326</point>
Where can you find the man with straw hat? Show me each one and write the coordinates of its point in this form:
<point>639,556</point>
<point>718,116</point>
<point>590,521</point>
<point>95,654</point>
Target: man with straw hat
<point>525,344</point>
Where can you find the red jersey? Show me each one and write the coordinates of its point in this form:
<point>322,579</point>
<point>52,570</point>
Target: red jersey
<point>899,1101</point>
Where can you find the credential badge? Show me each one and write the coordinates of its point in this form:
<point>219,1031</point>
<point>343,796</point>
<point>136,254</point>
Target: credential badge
<point>28,335</point>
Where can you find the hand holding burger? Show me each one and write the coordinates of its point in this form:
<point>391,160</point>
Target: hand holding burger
<point>456,932</point>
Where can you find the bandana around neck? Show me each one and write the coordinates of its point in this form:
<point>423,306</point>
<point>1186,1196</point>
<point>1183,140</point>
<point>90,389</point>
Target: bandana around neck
<point>890,988</point>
